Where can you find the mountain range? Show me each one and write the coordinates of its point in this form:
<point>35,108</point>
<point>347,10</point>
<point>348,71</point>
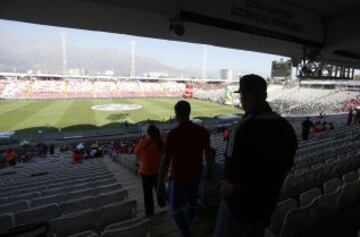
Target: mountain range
<point>46,55</point>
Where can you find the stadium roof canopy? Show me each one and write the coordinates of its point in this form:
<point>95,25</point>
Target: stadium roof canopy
<point>328,30</point>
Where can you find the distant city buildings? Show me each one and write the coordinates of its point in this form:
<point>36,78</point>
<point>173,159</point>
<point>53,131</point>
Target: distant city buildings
<point>109,73</point>
<point>77,71</point>
<point>155,75</point>
<point>226,74</point>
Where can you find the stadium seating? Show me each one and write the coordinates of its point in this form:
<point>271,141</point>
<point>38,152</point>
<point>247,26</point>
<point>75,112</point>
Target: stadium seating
<point>212,92</point>
<point>134,228</point>
<point>81,193</point>
<point>7,221</point>
<point>332,185</point>
<point>116,212</point>
<point>349,195</point>
<point>79,204</point>
<point>86,193</point>
<point>87,233</point>
<point>111,197</point>
<point>59,198</point>
<point>295,221</point>
<point>350,177</point>
<point>323,206</point>
<point>39,214</point>
<point>14,206</point>
<point>311,101</point>
<point>73,223</point>
<point>47,89</point>
<point>108,188</point>
<point>307,197</point>
<point>279,214</point>
<point>20,197</point>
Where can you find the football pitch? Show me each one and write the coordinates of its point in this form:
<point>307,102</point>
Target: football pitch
<point>29,116</point>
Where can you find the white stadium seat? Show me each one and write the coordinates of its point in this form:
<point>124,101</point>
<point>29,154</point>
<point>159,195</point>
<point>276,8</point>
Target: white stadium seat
<point>137,229</point>
<point>88,233</point>
<point>102,177</point>
<point>28,196</point>
<point>116,212</point>
<point>74,223</point>
<point>280,212</point>
<point>126,223</point>
<point>34,189</point>
<point>83,186</point>
<point>79,204</point>
<point>39,214</point>
<point>332,185</point>
<point>109,188</point>
<point>350,177</point>
<point>106,182</point>
<point>349,195</point>
<point>112,197</point>
<point>48,199</point>
<point>323,206</point>
<point>81,193</point>
<point>11,193</point>
<point>307,197</point>
<point>56,191</point>
<point>15,206</point>
<point>295,221</point>
<point>7,221</point>
<point>3,200</point>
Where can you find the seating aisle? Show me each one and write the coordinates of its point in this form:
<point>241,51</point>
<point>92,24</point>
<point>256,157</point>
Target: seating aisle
<point>162,224</point>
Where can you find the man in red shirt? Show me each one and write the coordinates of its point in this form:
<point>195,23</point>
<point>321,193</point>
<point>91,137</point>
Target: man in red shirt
<point>226,134</point>
<point>11,157</point>
<point>184,151</point>
<point>78,156</point>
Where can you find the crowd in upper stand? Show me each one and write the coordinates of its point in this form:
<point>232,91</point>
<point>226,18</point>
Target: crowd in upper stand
<point>288,101</point>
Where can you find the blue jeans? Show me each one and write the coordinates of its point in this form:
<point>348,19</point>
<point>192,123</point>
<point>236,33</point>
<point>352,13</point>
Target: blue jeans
<point>228,226</point>
<point>183,205</point>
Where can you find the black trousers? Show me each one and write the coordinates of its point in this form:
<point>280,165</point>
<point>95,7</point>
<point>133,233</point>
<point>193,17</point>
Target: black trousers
<point>12,162</point>
<point>149,183</point>
<point>305,135</point>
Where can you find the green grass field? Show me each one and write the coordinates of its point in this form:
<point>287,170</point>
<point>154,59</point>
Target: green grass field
<point>28,116</point>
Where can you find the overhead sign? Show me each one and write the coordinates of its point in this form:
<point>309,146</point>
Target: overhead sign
<point>281,69</point>
<point>272,18</point>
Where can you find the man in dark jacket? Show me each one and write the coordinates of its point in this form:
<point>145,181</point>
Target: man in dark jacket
<point>259,156</point>
<point>307,124</point>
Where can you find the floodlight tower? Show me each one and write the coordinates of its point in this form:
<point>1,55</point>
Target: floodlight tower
<point>132,71</point>
<point>204,62</point>
<point>64,54</point>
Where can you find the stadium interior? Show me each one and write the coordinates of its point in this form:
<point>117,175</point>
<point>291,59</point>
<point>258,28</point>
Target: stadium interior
<point>102,195</point>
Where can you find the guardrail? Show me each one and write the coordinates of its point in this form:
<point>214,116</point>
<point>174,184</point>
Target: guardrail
<point>103,133</point>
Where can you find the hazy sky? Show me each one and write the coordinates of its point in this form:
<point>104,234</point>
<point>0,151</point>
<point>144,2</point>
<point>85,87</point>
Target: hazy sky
<point>173,53</point>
